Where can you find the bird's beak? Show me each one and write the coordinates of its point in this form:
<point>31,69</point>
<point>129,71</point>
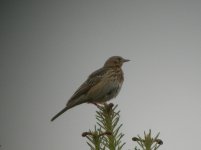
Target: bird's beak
<point>126,60</point>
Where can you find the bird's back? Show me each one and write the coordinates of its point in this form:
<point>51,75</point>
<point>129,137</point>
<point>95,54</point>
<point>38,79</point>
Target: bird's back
<point>102,85</point>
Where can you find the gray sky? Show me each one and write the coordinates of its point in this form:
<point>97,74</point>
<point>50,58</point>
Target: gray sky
<point>49,48</point>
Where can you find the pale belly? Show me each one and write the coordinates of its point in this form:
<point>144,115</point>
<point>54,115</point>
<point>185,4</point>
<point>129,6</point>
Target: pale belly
<point>107,89</point>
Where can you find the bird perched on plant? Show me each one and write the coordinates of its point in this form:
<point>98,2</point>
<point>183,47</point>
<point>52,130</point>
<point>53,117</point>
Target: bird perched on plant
<point>101,86</point>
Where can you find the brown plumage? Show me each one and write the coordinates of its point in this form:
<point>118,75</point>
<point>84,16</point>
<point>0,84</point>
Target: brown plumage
<point>101,86</point>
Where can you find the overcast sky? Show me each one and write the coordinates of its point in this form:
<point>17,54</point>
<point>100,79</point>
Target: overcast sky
<point>48,49</point>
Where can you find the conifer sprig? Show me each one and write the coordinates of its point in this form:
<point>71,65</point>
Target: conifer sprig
<point>108,135</point>
<point>108,119</point>
<point>148,143</point>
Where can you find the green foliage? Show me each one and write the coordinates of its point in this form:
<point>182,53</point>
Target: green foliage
<point>148,143</point>
<point>95,139</point>
<point>107,135</point>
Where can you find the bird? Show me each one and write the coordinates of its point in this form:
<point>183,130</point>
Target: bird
<point>101,85</point>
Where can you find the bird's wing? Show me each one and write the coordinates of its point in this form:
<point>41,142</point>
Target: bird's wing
<point>92,80</point>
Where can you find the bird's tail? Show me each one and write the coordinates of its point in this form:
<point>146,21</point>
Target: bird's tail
<point>60,113</point>
<point>69,105</point>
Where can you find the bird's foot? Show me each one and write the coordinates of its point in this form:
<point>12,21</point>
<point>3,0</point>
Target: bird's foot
<point>98,104</point>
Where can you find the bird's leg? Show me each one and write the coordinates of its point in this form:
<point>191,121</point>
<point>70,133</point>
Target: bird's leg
<point>98,104</point>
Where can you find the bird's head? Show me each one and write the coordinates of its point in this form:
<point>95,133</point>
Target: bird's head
<point>115,61</point>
